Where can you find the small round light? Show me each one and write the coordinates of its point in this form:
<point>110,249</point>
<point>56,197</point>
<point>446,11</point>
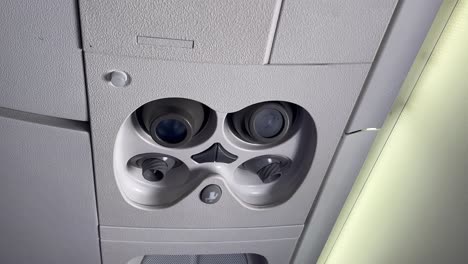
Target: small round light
<point>268,122</point>
<point>171,131</point>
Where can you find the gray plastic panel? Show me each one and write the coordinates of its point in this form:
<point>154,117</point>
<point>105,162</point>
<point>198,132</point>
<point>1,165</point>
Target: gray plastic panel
<point>47,204</point>
<point>402,42</point>
<point>345,168</point>
<point>41,68</point>
<point>244,183</point>
<point>328,93</point>
<point>198,235</point>
<point>333,31</point>
<point>230,32</point>
<point>277,251</point>
<point>204,259</point>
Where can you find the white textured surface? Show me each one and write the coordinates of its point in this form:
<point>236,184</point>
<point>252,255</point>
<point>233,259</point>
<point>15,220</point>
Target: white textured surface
<point>47,204</point>
<point>230,32</point>
<point>41,69</point>
<point>328,93</point>
<point>331,31</point>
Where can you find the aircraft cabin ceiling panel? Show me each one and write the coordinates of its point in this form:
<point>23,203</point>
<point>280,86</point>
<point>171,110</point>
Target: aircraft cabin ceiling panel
<point>41,64</point>
<point>226,89</point>
<point>392,64</point>
<point>334,31</point>
<point>47,204</point>
<point>238,32</point>
<point>231,32</point>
